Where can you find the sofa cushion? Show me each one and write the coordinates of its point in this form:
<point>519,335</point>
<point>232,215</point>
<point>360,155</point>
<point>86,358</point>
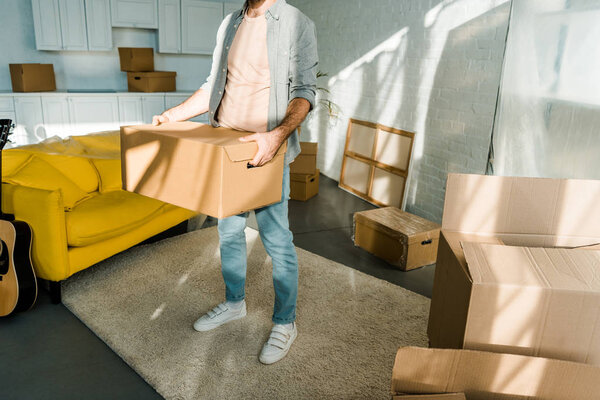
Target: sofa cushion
<point>108,215</point>
<point>77,169</point>
<point>39,174</point>
<point>109,172</point>
<point>12,160</point>
<point>101,144</point>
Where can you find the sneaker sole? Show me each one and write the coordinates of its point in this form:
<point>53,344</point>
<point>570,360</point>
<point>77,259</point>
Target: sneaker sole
<point>205,328</point>
<point>274,360</point>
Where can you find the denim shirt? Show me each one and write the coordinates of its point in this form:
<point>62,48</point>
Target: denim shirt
<point>293,60</point>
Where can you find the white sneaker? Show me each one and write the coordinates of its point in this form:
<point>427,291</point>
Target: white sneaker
<point>279,344</point>
<point>218,316</point>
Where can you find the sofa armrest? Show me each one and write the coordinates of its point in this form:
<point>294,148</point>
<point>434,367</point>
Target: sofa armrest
<point>44,211</point>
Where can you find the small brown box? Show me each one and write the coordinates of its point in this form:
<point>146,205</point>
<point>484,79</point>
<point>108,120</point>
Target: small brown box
<point>32,77</point>
<point>136,59</point>
<point>402,239</point>
<point>306,162</point>
<point>158,81</point>
<point>303,186</point>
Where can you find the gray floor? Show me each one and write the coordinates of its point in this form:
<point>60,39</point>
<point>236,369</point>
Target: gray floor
<point>47,353</point>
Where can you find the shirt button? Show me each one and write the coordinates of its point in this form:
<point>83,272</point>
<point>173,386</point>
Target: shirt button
<point>223,69</point>
<point>227,47</point>
<point>220,92</point>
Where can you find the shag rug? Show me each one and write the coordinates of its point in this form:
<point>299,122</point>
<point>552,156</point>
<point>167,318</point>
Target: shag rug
<point>143,303</point>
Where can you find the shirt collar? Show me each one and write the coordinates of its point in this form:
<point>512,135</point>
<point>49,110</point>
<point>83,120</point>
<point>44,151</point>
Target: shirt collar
<point>272,12</point>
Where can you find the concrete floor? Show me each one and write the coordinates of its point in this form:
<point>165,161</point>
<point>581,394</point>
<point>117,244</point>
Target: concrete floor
<point>47,353</point>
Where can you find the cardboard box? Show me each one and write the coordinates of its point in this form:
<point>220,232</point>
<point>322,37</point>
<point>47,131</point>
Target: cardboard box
<point>157,81</point>
<point>490,376</point>
<point>32,77</point>
<point>304,186</point>
<point>402,239</point>
<point>509,276</point>
<point>136,59</point>
<point>198,167</point>
<point>306,162</point>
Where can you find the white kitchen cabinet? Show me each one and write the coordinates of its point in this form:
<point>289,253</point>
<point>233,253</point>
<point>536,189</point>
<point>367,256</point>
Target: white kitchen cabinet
<point>72,24</point>
<point>228,8</point>
<point>200,21</point>
<point>134,13</point>
<point>130,110</point>
<point>93,113</point>
<point>172,101</point>
<point>151,106</point>
<point>169,26</point>
<point>29,120</point>
<point>55,110</point>
<point>99,30</point>
<point>46,23</point>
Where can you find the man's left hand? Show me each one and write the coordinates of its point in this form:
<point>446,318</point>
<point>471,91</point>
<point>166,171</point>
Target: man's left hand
<point>268,144</point>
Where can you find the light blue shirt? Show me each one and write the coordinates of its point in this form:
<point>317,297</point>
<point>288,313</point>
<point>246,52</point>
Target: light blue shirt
<point>293,60</point>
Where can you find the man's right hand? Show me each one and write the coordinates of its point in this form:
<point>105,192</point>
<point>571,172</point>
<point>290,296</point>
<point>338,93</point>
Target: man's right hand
<point>160,119</point>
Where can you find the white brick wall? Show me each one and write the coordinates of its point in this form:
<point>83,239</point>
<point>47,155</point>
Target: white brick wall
<point>427,66</point>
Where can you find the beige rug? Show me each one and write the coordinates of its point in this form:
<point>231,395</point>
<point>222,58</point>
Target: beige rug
<point>143,303</point>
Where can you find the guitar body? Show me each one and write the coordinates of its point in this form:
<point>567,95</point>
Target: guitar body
<point>18,285</point>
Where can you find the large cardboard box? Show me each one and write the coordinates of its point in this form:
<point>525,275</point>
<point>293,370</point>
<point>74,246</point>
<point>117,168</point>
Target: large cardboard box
<point>516,270</point>
<point>198,167</point>
<point>306,161</point>
<point>32,77</point>
<point>157,81</point>
<point>304,186</point>
<point>490,376</point>
<point>136,59</point>
<point>402,239</point>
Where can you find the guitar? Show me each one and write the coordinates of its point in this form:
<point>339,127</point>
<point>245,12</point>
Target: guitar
<point>18,285</point>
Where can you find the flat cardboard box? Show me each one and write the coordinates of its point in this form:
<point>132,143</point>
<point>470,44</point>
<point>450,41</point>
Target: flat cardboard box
<point>304,186</point>
<point>136,59</point>
<point>490,376</point>
<point>306,161</point>
<point>32,77</point>
<point>198,167</point>
<point>516,266</point>
<point>157,81</point>
<point>402,239</point>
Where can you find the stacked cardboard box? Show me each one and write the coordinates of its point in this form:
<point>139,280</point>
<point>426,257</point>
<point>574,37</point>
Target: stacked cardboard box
<point>32,77</point>
<point>402,239</point>
<point>138,62</point>
<point>304,175</point>
<point>517,268</point>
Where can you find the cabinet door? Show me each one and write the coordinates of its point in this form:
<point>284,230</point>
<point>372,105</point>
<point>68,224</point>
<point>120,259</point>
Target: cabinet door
<point>228,8</point>
<point>134,13</point>
<point>72,23</point>
<point>97,15</point>
<point>169,26</point>
<point>46,23</point>
<point>151,106</point>
<point>93,114</point>
<point>56,116</point>
<point>200,22</point>
<point>130,110</point>
<point>29,120</point>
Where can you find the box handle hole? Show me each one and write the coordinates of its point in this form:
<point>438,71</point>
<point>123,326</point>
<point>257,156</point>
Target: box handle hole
<point>137,78</point>
<point>428,241</point>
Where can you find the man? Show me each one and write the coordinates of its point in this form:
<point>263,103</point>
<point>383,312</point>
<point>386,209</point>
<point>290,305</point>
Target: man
<point>263,80</point>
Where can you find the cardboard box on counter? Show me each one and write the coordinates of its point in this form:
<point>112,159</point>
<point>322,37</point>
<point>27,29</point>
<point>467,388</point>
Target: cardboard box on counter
<point>304,186</point>
<point>32,77</point>
<point>514,272</point>
<point>198,167</point>
<point>157,81</point>
<point>491,376</point>
<point>306,161</point>
<point>136,59</point>
<point>402,239</point>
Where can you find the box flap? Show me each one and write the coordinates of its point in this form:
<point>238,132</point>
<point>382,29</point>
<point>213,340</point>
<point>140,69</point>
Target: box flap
<point>483,375</point>
<point>305,178</point>
<point>494,204</point>
<point>552,268</point>
<point>308,148</point>
<point>397,223</point>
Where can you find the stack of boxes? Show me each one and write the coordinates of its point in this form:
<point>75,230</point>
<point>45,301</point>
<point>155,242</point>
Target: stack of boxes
<point>138,62</point>
<point>304,174</point>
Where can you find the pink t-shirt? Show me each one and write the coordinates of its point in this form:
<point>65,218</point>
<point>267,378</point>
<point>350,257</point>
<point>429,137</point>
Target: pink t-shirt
<point>245,103</point>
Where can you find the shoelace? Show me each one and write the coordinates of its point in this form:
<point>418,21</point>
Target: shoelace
<point>279,337</point>
<point>218,310</point>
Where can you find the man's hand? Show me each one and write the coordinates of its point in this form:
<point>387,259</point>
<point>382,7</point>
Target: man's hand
<point>268,145</point>
<point>160,119</point>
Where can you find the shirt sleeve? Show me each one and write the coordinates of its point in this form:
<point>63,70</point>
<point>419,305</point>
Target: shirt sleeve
<point>303,64</point>
<point>216,58</point>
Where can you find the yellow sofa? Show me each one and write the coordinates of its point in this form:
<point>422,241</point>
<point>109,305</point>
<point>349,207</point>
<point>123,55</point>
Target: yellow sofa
<point>69,192</point>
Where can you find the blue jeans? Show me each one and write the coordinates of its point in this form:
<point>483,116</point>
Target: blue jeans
<point>274,230</point>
